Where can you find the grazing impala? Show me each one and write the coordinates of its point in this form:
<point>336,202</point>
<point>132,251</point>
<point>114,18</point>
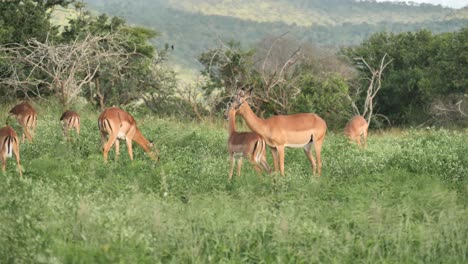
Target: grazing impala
<point>118,124</point>
<point>70,120</point>
<point>244,145</point>
<point>280,131</point>
<point>27,118</point>
<point>9,145</point>
<point>356,128</point>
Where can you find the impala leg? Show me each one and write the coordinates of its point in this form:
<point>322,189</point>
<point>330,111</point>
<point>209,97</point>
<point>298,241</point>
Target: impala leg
<point>108,146</point>
<point>3,163</point>
<point>265,165</point>
<point>129,147</point>
<point>274,153</point>
<point>255,164</point>
<point>318,149</point>
<point>65,131</point>
<point>365,138</point>
<point>239,166</point>
<point>263,159</point>
<point>103,139</point>
<point>77,127</point>
<point>117,149</point>
<point>28,134</point>
<point>281,159</point>
<point>17,156</point>
<point>307,151</point>
<point>231,167</point>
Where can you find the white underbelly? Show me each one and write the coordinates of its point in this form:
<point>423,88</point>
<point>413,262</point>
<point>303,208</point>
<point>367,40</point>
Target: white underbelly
<point>295,145</point>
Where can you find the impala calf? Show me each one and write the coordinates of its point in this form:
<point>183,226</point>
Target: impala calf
<point>8,146</point>
<point>244,145</point>
<point>27,118</point>
<point>280,131</point>
<point>355,128</point>
<point>118,124</point>
<point>70,120</point>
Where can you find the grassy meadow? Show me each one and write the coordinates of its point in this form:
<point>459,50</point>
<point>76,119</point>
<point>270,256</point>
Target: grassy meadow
<point>402,200</point>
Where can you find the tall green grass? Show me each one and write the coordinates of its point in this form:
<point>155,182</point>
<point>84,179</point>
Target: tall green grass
<point>402,200</point>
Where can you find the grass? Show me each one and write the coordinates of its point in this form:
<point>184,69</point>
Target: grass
<point>402,200</point>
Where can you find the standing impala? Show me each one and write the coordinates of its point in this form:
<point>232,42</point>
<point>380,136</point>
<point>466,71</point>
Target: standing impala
<point>244,145</point>
<point>27,118</point>
<point>8,146</point>
<point>118,124</point>
<point>280,131</point>
<point>70,120</point>
<point>356,128</point>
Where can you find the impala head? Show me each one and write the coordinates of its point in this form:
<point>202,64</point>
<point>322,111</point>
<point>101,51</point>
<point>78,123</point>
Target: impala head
<point>241,97</point>
<point>154,152</point>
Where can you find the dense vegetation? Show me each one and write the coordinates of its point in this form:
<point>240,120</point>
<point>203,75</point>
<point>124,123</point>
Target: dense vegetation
<point>404,200</point>
<point>192,26</point>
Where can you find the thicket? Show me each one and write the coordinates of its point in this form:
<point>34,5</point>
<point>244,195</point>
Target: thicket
<point>425,83</point>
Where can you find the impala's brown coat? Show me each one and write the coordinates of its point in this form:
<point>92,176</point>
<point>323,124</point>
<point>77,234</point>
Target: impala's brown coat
<point>27,118</point>
<point>70,120</point>
<point>118,124</point>
<point>9,145</point>
<point>280,131</point>
<point>355,128</point>
<point>244,145</point>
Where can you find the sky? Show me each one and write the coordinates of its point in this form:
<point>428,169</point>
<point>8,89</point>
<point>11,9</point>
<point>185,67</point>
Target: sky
<point>448,3</point>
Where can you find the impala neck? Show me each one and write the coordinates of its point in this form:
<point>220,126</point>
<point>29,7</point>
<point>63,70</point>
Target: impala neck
<point>142,141</point>
<point>256,124</point>
<point>232,122</point>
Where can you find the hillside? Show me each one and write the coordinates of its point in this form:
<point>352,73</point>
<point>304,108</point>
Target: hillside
<point>195,25</point>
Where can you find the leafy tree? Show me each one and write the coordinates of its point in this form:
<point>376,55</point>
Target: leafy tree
<point>424,67</point>
<point>25,19</point>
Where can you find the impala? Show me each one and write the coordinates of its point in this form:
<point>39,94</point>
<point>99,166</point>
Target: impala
<point>118,124</point>
<point>8,146</point>
<point>27,118</point>
<point>244,145</point>
<point>280,131</point>
<point>355,128</point>
<point>70,120</point>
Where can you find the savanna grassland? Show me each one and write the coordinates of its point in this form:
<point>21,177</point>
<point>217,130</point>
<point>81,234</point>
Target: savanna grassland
<point>402,200</point>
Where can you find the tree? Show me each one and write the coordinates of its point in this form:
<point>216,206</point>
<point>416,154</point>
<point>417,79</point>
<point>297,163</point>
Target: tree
<point>22,20</point>
<point>62,69</point>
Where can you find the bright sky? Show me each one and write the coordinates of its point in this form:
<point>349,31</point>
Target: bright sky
<point>449,3</point>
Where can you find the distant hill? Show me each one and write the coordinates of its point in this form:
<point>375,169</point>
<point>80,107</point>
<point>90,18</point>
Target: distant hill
<point>192,26</point>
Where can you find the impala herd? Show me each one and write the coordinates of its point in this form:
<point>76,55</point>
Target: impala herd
<point>277,132</point>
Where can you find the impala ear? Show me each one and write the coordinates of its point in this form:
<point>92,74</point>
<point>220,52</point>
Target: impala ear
<point>249,92</point>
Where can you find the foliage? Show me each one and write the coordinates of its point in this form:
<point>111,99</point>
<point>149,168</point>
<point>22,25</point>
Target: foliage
<point>25,19</point>
<point>325,96</point>
<point>194,32</point>
<point>401,200</point>
<point>416,76</point>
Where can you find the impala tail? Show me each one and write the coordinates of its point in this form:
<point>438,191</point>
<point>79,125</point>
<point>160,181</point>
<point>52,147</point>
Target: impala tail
<point>8,143</point>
